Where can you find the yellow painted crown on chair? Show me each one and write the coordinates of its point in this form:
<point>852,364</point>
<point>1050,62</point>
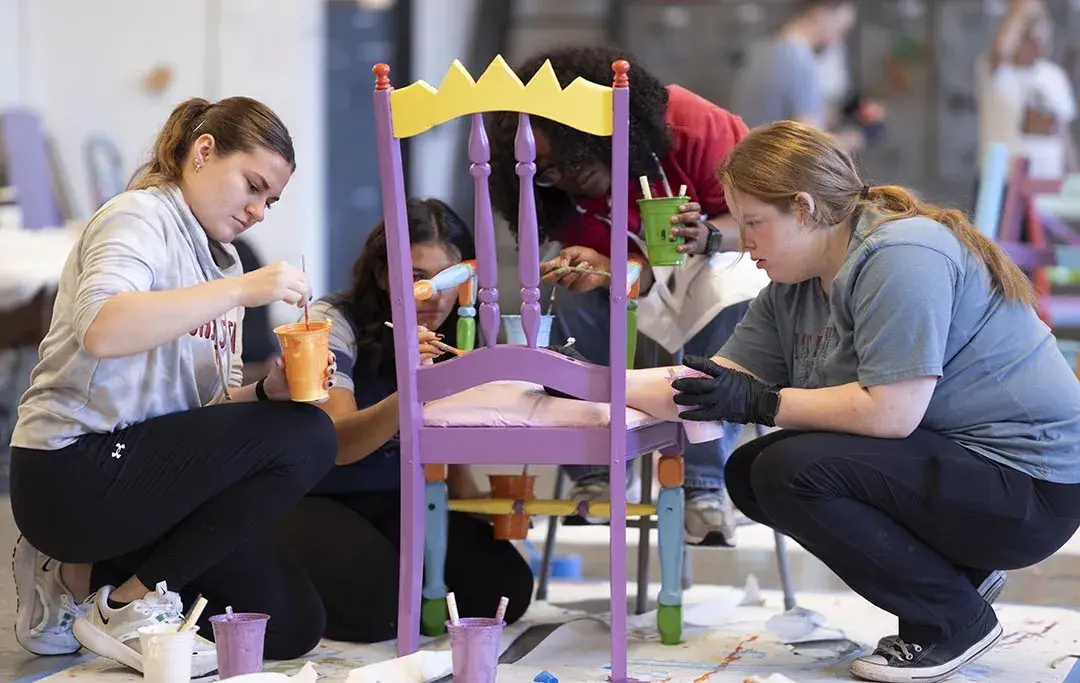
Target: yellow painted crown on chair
<point>583,104</point>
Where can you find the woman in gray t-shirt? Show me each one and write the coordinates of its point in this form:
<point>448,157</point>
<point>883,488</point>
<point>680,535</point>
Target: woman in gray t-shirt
<point>930,427</point>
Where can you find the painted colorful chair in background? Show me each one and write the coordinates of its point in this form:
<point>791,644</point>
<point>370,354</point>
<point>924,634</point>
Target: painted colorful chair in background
<point>1029,218</point>
<point>429,442</point>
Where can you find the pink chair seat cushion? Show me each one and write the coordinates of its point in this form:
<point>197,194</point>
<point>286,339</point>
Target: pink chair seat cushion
<point>522,404</point>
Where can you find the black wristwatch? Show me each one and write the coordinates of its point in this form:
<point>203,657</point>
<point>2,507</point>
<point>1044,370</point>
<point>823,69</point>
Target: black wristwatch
<point>260,390</point>
<point>716,238</point>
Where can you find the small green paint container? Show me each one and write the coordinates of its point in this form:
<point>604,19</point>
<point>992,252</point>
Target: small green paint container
<point>662,245</point>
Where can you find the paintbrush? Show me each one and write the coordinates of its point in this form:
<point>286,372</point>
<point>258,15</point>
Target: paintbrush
<point>303,267</point>
<point>445,348</point>
<point>500,613</point>
<point>577,269</point>
<point>551,301</point>
<point>194,614</point>
<point>646,191</point>
<point>451,606</point>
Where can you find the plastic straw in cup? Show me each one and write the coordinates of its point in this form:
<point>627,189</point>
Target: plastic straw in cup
<point>500,613</point>
<point>682,190</point>
<point>451,605</point>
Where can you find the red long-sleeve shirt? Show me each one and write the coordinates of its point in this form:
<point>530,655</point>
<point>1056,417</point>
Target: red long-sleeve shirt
<point>702,136</point>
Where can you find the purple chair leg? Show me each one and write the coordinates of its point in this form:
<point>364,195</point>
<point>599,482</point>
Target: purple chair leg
<point>412,557</point>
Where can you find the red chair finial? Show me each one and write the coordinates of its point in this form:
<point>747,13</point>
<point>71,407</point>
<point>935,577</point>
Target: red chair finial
<point>382,76</point>
<point>621,68</point>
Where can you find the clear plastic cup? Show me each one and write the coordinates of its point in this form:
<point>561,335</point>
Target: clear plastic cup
<point>515,331</point>
<point>696,431</point>
<point>474,648</point>
<point>239,638</point>
<point>305,347</point>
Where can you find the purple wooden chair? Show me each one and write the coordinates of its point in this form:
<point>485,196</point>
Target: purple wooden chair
<point>426,446</point>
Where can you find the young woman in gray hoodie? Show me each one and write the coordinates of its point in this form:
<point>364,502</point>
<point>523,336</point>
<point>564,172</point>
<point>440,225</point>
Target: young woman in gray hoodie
<point>141,469</point>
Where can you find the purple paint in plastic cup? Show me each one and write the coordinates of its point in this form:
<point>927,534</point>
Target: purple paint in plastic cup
<point>474,648</point>
<point>239,638</point>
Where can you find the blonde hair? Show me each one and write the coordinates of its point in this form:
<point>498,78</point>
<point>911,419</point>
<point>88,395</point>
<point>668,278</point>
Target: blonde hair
<point>237,124</point>
<point>777,161</point>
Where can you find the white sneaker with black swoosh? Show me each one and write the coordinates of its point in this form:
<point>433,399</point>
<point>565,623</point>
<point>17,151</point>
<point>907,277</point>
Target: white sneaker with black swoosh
<point>114,632</point>
<point>46,609</point>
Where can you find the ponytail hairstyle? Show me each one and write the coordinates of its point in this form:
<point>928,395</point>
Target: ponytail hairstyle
<point>238,124</point>
<point>776,161</point>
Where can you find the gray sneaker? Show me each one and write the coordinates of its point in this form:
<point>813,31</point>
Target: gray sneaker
<point>595,487</point>
<point>710,518</point>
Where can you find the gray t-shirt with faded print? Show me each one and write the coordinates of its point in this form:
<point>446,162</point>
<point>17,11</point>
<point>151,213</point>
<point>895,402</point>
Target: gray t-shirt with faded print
<point>779,81</point>
<point>909,301</point>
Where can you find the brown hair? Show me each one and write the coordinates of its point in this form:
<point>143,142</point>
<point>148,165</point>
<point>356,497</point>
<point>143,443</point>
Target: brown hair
<point>237,124</point>
<point>776,161</point>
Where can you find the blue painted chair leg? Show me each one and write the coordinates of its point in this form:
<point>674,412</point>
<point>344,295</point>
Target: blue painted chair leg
<point>670,506</point>
<point>433,609</point>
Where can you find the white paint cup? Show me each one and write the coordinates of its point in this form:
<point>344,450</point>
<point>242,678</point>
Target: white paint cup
<point>166,653</point>
<point>696,432</point>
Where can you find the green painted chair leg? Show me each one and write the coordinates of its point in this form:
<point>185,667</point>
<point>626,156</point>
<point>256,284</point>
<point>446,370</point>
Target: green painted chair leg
<point>433,616</point>
<point>669,623</point>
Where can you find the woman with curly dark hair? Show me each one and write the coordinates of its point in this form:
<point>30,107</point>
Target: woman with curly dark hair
<point>355,568</point>
<point>676,138</point>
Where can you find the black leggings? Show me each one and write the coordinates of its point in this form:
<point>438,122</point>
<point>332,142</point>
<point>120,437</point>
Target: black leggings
<point>188,498</point>
<point>913,525</point>
<point>349,546</point>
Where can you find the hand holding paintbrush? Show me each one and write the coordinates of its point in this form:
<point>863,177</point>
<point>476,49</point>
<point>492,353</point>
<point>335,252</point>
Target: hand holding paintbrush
<point>429,338</point>
<point>578,269</point>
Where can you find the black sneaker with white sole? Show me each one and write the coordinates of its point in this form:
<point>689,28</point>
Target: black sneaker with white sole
<point>896,660</point>
<point>991,586</point>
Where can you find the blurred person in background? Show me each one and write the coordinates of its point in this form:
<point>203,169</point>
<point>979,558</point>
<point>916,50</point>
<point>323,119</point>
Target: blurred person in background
<point>800,74</point>
<point>1026,101</point>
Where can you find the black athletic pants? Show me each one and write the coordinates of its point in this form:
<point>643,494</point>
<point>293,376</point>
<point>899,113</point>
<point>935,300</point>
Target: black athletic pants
<point>913,525</point>
<point>188,498</point>
<point>349,546</point>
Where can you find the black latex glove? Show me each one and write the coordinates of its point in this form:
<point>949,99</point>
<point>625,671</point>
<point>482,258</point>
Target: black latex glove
<point>725,395</point>
<point>570,352</point>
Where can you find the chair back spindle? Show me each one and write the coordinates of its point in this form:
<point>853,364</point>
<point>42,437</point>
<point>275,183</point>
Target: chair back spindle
<point>528,229</point>
<point>484,225</point>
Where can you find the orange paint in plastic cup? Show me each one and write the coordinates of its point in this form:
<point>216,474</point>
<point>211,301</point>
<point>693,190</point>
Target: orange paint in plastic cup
<point>512,527</point>
<point>305,348</point>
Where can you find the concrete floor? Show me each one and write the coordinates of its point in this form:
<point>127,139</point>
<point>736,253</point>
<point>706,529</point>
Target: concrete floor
<point>1054,582</point>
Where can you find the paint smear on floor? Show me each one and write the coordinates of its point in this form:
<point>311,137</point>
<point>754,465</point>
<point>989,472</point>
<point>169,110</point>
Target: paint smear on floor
<point>735,645</point>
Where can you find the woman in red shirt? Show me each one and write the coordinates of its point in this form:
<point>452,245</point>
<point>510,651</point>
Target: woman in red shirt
<point>676,138</point>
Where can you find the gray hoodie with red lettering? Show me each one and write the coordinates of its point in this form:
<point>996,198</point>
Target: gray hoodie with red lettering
<point>142,240</point>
